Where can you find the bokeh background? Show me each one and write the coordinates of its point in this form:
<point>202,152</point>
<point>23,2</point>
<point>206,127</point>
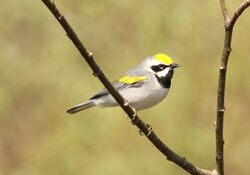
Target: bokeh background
<point>42,74</point>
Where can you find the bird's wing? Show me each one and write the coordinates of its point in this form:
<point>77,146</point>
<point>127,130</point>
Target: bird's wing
<point>123,83</point>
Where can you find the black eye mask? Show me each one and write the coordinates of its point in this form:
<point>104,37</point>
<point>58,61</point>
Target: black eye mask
<point>158,68</point>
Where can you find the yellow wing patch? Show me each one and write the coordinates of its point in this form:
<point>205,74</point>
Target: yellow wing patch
<point>132,79</point>
<point>163,58</point>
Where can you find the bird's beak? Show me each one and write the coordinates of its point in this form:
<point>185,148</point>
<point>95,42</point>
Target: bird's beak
<point>175,65</point>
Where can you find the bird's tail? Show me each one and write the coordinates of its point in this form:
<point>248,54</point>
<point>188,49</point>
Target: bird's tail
<point>80,107</point>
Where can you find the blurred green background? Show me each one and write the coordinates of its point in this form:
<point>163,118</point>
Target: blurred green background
<point>42,74</point>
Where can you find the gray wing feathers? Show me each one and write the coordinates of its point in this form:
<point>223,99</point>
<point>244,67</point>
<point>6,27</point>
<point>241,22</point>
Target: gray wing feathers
<point>80,107</point>
<point>119,86</point>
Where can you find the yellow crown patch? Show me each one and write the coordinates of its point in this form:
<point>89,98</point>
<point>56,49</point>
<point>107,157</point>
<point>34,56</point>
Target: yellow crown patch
<point>131,79</point>
<point>163,58</point>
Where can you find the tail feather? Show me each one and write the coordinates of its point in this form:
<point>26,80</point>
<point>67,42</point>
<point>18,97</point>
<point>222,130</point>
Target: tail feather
<point>81,107</point>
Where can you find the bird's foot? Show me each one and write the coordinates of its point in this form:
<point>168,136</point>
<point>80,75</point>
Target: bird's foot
<point>150,129</point>
<point>134,116</point>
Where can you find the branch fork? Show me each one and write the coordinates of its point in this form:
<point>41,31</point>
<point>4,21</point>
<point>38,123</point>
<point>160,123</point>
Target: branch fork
<point>229,25</point>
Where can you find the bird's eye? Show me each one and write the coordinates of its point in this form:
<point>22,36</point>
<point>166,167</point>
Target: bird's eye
<point>158,68</point>
<point>162,66</point>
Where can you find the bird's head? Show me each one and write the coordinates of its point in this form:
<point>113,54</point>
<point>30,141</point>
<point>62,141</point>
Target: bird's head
<point>161,65</point>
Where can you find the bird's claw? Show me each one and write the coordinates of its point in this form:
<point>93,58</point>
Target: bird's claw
<point>126,103</point>
<point>133,119</point>
<point>150,129</point>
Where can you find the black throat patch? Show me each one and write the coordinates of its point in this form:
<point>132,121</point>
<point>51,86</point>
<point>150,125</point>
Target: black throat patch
<point>165,81</point>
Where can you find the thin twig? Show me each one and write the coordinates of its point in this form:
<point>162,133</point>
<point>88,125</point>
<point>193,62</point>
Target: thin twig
<point>224,11</point>
<point>146,129</point>
<point>229,24</point>
<point>239,11</point>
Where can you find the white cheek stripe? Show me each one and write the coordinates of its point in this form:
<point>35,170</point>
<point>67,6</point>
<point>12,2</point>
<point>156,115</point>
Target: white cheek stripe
<point>163,73</point>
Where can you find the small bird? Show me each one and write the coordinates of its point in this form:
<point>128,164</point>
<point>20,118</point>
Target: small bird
<point>143,86</point>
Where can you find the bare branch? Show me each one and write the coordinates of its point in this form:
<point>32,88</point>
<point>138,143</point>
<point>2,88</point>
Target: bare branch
<point>229,24</point>
<point>145,128</point>
<point>224,11</point>
<point>238,12</point>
